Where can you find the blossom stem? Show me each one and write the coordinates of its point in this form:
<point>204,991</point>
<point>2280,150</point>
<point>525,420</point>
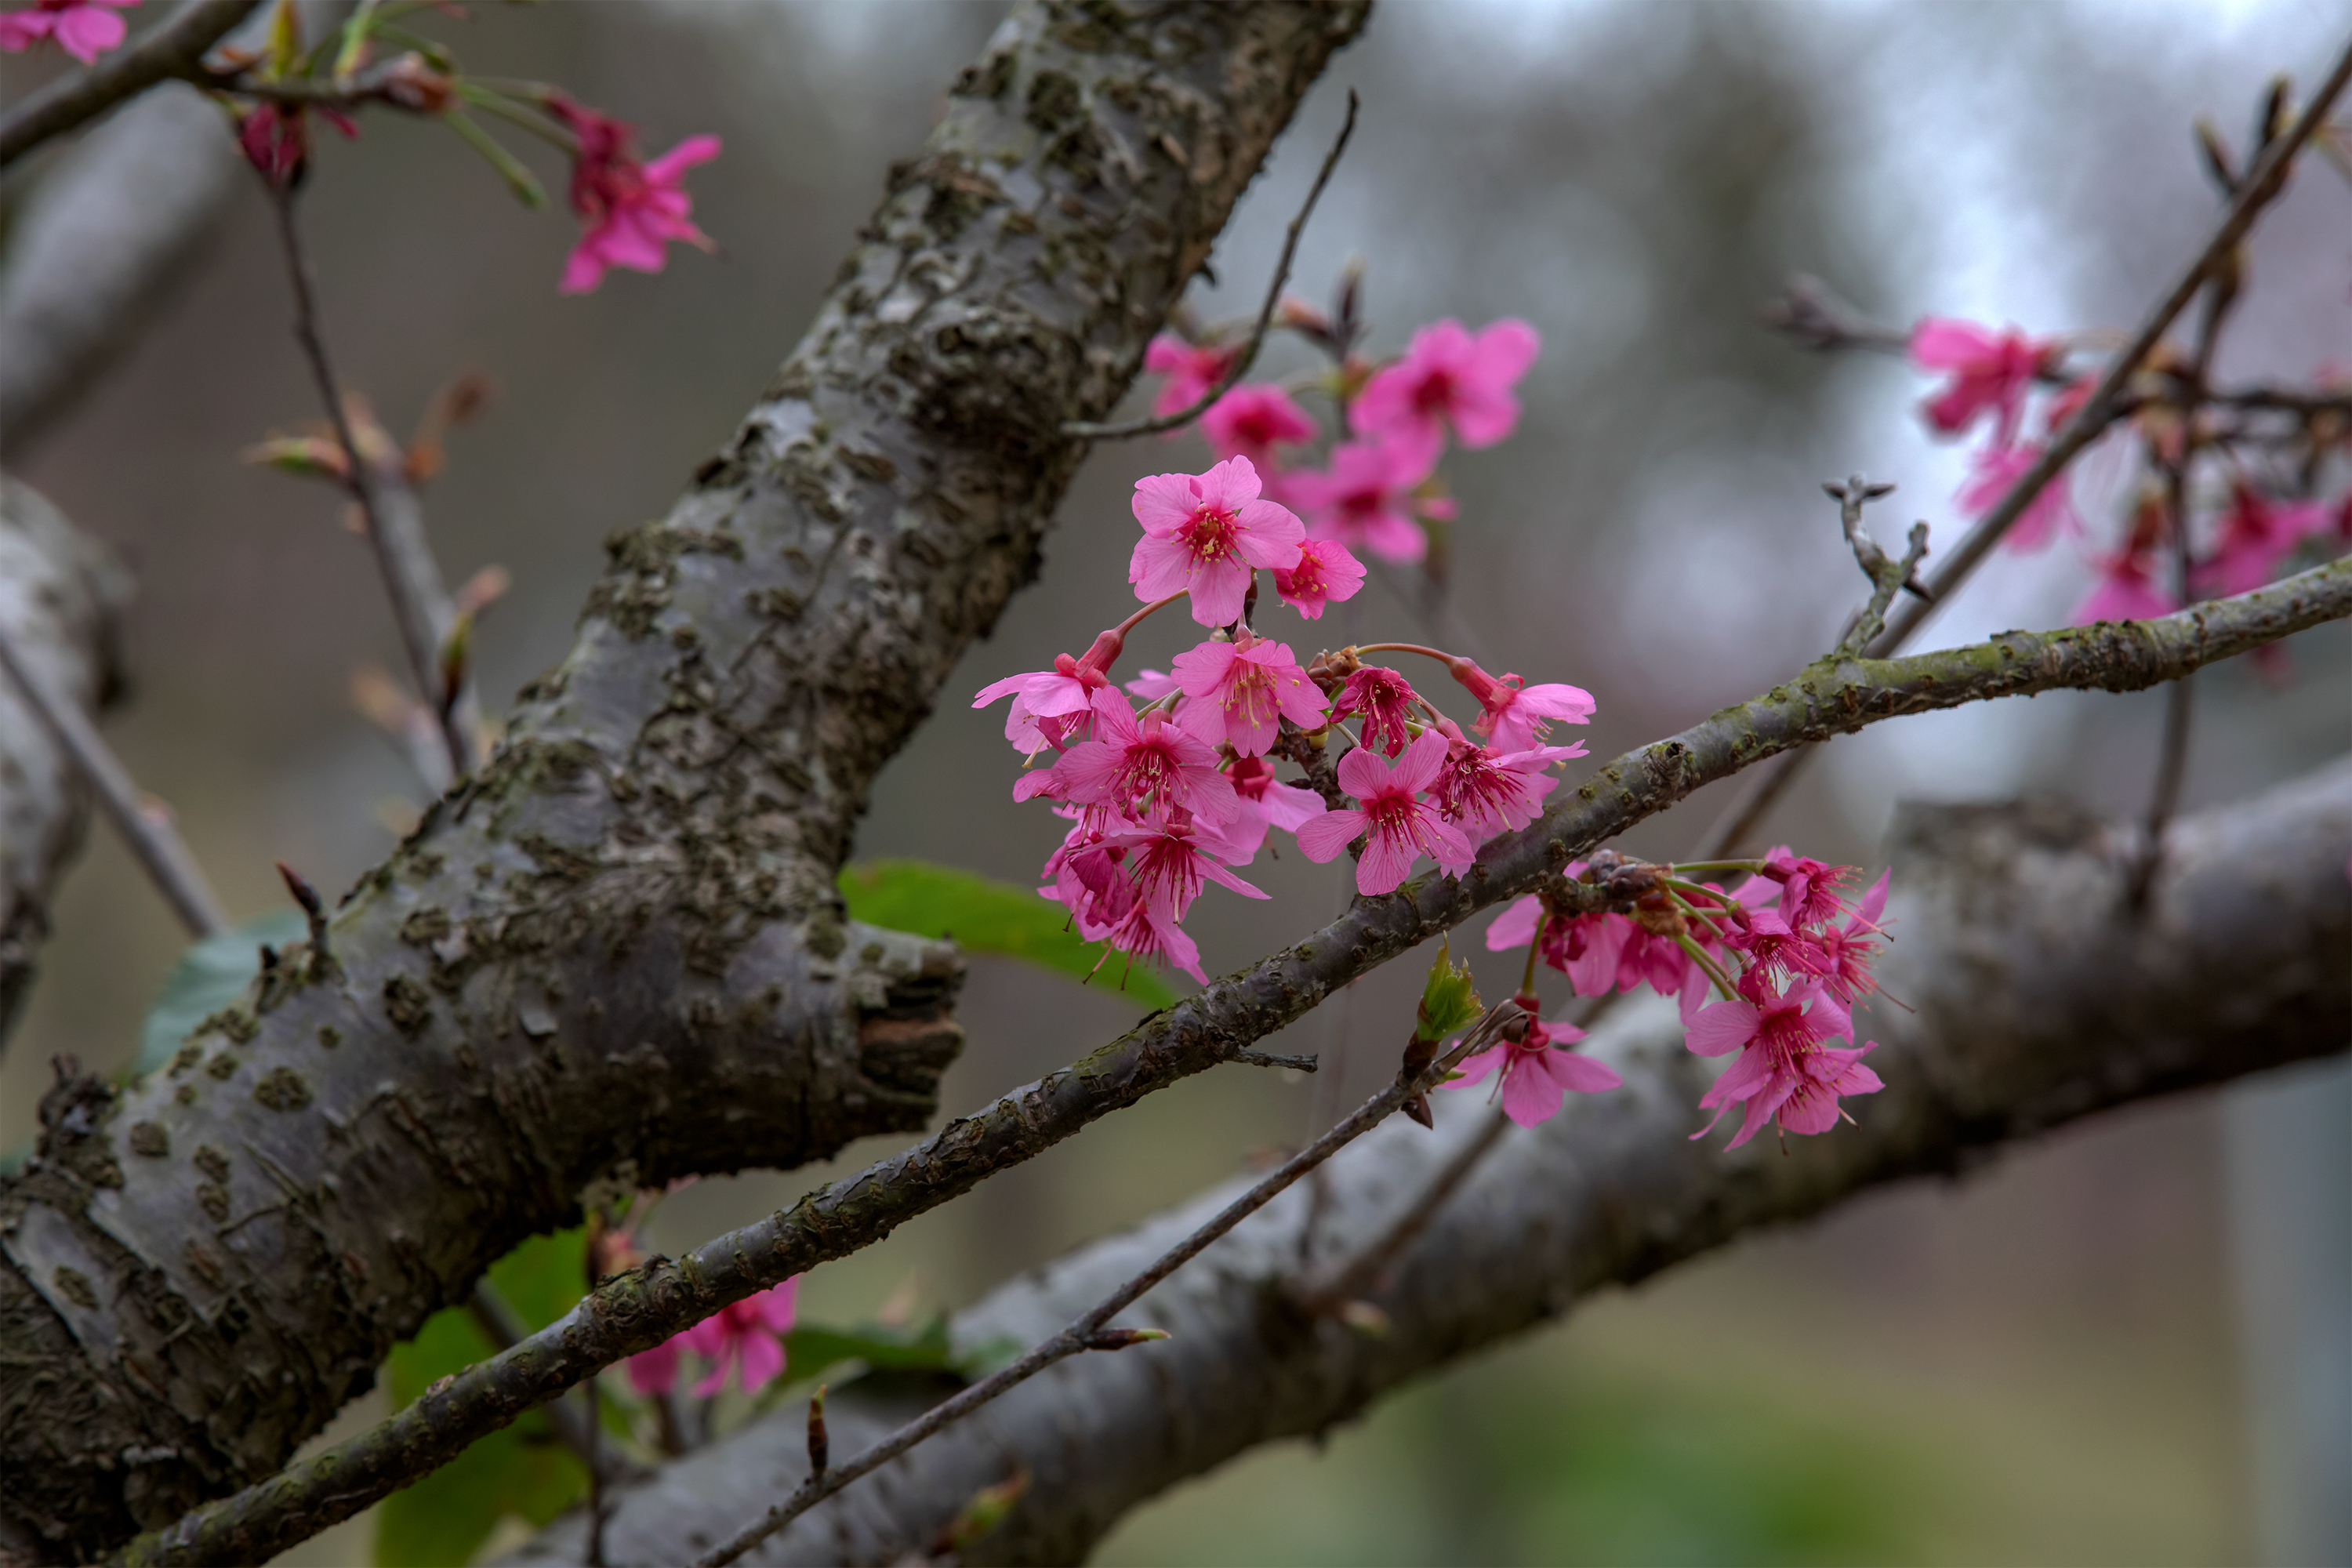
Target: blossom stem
<point>513,109</point>
<point>1535,946</point>
<point>1714,971</point>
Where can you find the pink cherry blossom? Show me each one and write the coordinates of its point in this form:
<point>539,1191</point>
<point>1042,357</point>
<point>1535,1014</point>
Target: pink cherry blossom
<point>632,210</point>
<point>1365,499</point>
<point>1252,420</point>
<point>1809,888</point>
<point>1775,948</point>
<point>1484,793</point>
<point>1266,803</point>
<point>1851,948</point>
<point>1514,716</point>
<point>1994,472</point>
<point>1084,877</point>
<point>2126,591</point>
<point>1206,534</point>
<point>1050,706</point>
<point>1403,826</point>
<point>2257,535</point>
<point>1990,373</point>
<point>1449,377</point>
<point>745,1338</point>
<point>1167,863</point>
<point>1244,688</point>
<point>1144,768</point>
<point>83,28</point>
<point>1326,573</point>
<point>1384,701</point>
<point>1151,685</point>
<point>1783,1061</point>
<point>1192,369</point>
<point>1585,948</point>
<point>276,138</point>
<point>1539,1072</point>
<point>655,1371</point>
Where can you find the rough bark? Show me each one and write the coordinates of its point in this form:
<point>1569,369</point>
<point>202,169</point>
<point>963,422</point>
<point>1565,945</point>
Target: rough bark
<point>2041,997</point>
<point>61,598</point>
<point>646,1305</point>
<point>616,950</point>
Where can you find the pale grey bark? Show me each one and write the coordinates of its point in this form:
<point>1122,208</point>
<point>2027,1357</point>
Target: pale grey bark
<point>616,949</point>
<point>2039,998</point>
<point>61,598</point>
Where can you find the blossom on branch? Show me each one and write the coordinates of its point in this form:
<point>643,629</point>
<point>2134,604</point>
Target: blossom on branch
<point>1206,534</point>
<point>1404,828</point>
<point>276,139</point>
<point>1244,688</point>
<point>83,28</point>
<point>1785,1067</point>
<point>1251,421</point>
<point>1447,378</point>
<point>1539,1072</point>
<point>744,1338</point>
<point>1365,499</point>
<point>1994,472</point>
<point>1326,573</point>
<point>1991,373</point>
<point>633,210</point>
<point>1192,369</point>
<point>1383,701</point>
<point>1146,768</point>
<point>2257,536</point>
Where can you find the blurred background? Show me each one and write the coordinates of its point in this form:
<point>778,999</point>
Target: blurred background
<point>2074,1355</point>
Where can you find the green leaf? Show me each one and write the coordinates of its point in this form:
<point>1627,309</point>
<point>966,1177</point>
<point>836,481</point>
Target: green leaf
<point>811,1349</point>
<point>985,916</point>
<point>522,1469</point>
<point>1449,999</point>
<point>210,976</point>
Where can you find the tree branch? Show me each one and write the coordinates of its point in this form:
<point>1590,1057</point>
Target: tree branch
<point>616,949</point>
<point>640,1310</point>
<point>175,48</point>
<point>61,597</point>
<point>2041,998</point>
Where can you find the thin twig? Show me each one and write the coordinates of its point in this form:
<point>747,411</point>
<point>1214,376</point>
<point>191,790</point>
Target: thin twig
<point>173,49</point>
<point>1889,577</point>
<point>1087,1332</point>
<point>1767,785</point>
<point>410,610</point>
<point>577,1432</point>
<point>154,842</point>
<point>1362,1272</point>
<point>1088,430</point>
<point>1273,1060</point>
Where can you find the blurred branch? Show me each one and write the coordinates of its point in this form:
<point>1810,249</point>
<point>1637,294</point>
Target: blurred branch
<point>61,597</point>
<point>2261,187</point>
<point>1084,430</point>
<point>175,48</point>
<point>637,1312</point>
<point>2040,999</point>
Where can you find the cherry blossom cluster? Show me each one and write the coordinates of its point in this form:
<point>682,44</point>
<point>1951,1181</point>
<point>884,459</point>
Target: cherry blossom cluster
<point>1785,953</point>
<point>2252,506</point>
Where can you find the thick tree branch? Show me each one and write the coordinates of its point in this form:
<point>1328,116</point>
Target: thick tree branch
<point>2042,997</point>
<point>176,49</point>
<point>616,949</point>
<point>61,597</point>
<point>638,1310</point>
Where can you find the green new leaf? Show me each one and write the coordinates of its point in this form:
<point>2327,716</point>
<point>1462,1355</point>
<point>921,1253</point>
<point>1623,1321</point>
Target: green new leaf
<point>521,1469</point>
<point>1449,999</point>
<point>211,975</point>
<point>984,916</point>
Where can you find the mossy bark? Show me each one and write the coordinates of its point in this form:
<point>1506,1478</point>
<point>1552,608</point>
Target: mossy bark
<point>616,950</point>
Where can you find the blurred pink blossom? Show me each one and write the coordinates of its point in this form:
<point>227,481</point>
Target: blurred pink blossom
<point>83,28</point>
<point>1991,373</point>
<point>633,210</point>
<point>1539,1072</point>
<point>1448,377</point>
<point>1192,369</point>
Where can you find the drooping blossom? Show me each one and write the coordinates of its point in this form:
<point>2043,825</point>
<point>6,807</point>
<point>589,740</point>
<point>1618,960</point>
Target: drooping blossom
<point>1776,949</point>
<point>1206,534</point>
<point>1514,716</point>
<point>276,139</point>
<point>2126,590</point>
<point>1994,472</point>
<point>1365,499</point>
<point>1991,373</point>
<point>1132,884</point>
<point>1383,701</point>
<point>83,28</point>
<point>1243,689</point>
<point>1167,863</point>
<point>1146,768</point>
<point>633,210</point>
<point>1252,420</point>
<point>1809,888</point>
<point>1785,1066</point>
<point>1585,948</point>
<point>2257,535</point>
<point>744,1338</point>
<point>1448,377</point>
<point>1266,803</point>
<point>1851,948</point>
<point>1403,826</point>
<point>1539,1072</point>
<point>1190,368</point>
<point>1326,573</point>
<point>1054,707</point>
